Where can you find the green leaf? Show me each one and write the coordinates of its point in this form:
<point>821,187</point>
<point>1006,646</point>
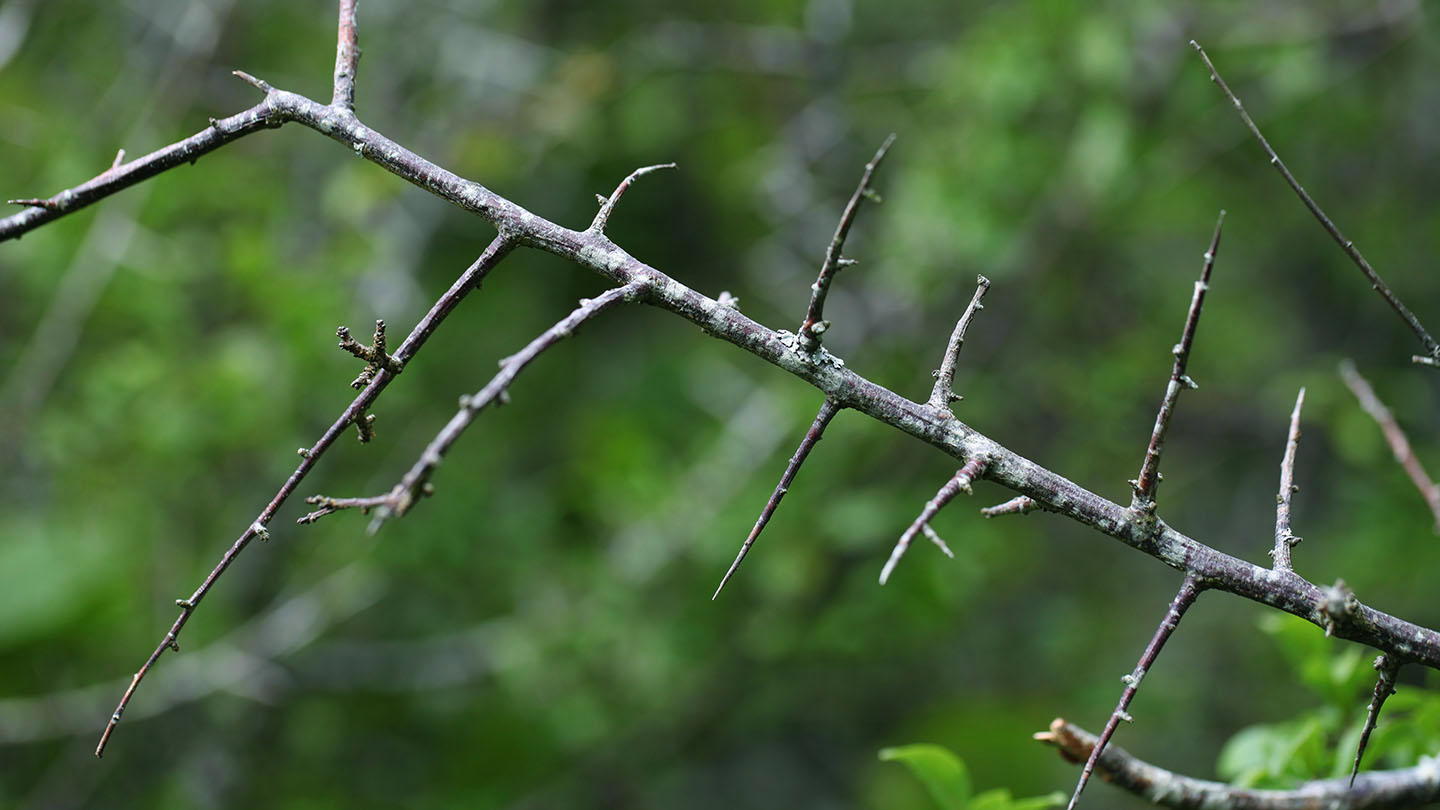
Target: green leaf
<point>1000,799</point>
<point>942,773</point>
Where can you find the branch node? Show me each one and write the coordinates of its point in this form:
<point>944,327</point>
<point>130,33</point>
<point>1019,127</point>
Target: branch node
<point>184,604</point>
<point>1337,605</point>
<point>258,529</point>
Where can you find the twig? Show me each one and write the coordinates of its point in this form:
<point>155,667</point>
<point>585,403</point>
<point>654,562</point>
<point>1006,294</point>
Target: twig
<point>1284,538</point>
<point>962,479</point>
<point>497,250</point>
<point>1394,436</point>
<point>1346,245</point>
<point>1184,598</point>
<point>1018,505</point>
<point>328,505</point>
<point>814,325</point>
<point>1388,668</point>
<point>1404,788</point>
<point>944,392</point>
<point>347,55</point>
<point>1149,477</point>
<point>607,206</point>
<point>415,484</point>
<point>828,409</point>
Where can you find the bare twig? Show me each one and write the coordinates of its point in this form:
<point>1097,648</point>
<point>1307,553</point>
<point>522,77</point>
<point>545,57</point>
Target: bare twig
<point>828,409</point>
<point>1149,477</point>
<point>1388,668</point>
<point>1018,505</point>
<point>1404,788</point>
<point>962,479</point>
<point>1394,436</point>
<point>347,55</point>
<point>1184,598</point>
<point>944,391</point>
<point>328,505</point>
<point>814,325</point>
<point>1284,538</point>
<point>416,482</point>
<point>1346,245</point>
<point>607,206</point>
<point>467,281</point>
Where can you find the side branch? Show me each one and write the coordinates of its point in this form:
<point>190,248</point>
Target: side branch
<point>1398,789</point>
<point>1149,477</point>
<point>1389,669</point>
<point>469,280</point>
<point>944,391</point>
<point>347,55</point>
<point>1394,436</point>
<point>1184,598</point>
<point>828,409</point>
<point>814,325</point>
<point>962,479</point>
<point>1284,538</point>
<point>1431,347</point>
<point>416,482</point>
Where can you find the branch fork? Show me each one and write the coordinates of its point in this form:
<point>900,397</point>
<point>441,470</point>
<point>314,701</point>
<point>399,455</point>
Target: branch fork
<point>960,482</point>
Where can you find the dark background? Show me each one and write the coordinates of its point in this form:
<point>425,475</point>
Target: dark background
<point>540,634</point>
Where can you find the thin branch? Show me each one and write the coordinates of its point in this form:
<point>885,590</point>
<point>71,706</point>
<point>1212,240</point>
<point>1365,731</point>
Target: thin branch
<point>1149,477</point>
<point>347,55</point>
<point>416,482</point>
<point>944,392</point>
<point>1018,505</point>
<point>1346,245</point>
<point>328,505</point>
<point>1394,436</point>
<point>1388,668</point>
<point>607,206</point>
<point>962,479</point>
<point>1284,538</point>
<point>1184,598</point>
<point>469,280</point>
<point>828,409</point>
<point>1399,789</point>
<point>814,325</point>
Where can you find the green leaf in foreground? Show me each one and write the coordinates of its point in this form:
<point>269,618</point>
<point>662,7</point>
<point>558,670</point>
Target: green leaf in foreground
<point>942,773</point>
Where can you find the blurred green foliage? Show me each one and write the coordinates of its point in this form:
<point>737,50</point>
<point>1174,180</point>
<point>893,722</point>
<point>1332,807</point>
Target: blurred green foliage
<point>539,634</point>
<point>948,783</point>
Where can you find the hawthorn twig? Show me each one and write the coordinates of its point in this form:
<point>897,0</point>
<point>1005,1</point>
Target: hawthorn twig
<point>1388,668</point>
<point>1403,788</point>
<point>1346,245</point>
<point>1184,598</point>
<point>944,391</point>
<point>813,327</point>
<point>1284,538</point>
<point>1394,436</point>
<point>828,409</point>
<point>607,206</point>
<point>1149,478</point>
<point>403,495</point>
<point>962,479</point>
<point>347,56</point>
<point>497,250</point>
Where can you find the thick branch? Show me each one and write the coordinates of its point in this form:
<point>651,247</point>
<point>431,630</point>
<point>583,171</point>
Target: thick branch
<point>828,409</point>
<point>944,391</point>
<point>1399,789</point>
<point>1284,538</point>
<point>1184,598</point>
<point>814,325</point>
<point>468,281</point>
<point>1346,245</point>
<point>1394,436</point>
<point>1149,477</point>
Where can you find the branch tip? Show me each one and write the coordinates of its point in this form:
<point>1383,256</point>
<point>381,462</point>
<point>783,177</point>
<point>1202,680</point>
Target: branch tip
<point>1284,537</point>
<point>259,84</point>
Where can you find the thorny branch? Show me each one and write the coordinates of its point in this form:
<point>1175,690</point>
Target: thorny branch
<point>1398,789</point>
<point>1335,608</point>
<point>1388,669</point>
<point>1284,537</point>
<point>1394,436</point>
<point>1346,245</point>
<point>962,479</point>
<point>944,391</point>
